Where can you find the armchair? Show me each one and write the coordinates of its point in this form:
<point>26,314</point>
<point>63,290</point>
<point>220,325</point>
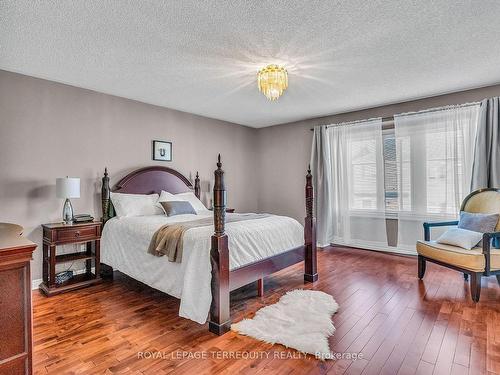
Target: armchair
<point>476,262</point>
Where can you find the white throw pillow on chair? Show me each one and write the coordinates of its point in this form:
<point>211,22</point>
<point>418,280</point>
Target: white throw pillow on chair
<point>466,239</point>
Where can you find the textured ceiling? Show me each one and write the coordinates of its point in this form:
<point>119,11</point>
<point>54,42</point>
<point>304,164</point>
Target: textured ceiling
<point>202,56</point>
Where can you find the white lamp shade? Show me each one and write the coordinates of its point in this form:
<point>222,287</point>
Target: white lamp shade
<point>68,187</point>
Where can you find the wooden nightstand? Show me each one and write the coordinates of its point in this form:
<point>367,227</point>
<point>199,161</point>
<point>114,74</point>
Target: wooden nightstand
<point>57,234</point>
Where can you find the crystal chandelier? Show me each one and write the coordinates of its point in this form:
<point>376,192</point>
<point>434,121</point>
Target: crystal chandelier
<point>272,81</point>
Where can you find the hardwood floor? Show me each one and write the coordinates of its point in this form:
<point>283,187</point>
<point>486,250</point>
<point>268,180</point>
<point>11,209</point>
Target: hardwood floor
<point>400,325</point>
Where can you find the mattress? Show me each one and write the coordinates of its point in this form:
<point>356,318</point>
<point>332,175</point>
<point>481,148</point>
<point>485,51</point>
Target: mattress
<point>125,241</point>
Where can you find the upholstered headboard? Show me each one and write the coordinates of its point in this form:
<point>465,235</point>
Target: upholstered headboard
<point>147,180</point>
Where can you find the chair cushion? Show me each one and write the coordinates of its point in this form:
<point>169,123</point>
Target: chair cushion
<point>472,260</point>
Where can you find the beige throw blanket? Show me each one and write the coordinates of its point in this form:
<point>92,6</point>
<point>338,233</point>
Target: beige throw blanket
<point>168,240</point>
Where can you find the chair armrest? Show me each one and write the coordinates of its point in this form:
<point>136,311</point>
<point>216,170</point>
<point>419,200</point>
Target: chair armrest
<point>429,224</point>
<point>487,237</point>
<point>440,223</point>
<point>492,235</point>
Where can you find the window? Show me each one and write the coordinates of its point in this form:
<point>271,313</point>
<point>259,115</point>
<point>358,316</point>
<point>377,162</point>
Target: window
<point>364,175</point>
<point>417,170</point>
<point>390,172</point>
<point>373,175</point>
<point>444,158</point>
<point>433,152</point>
<point>439,157</point>
<point>397,189</point>
<point>404,173</point>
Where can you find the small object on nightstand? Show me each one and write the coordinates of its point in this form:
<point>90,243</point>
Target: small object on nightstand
<point>64,276</point>
<point>82,218</point>
<point>58,234</point>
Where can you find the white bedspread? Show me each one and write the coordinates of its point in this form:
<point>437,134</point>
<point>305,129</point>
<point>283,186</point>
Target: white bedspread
<point>125,242</point>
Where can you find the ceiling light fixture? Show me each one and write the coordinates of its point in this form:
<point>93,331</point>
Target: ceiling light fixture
<point>272,81</point>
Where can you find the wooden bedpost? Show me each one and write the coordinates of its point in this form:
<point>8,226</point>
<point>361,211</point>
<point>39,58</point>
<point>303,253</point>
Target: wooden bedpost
<point>105,270</point>
<point>197,190</point>
<point>105,196</point>
<point>220,318</point>
<point>310,262</point>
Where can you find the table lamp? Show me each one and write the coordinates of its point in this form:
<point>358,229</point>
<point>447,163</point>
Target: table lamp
<point>68,187</point>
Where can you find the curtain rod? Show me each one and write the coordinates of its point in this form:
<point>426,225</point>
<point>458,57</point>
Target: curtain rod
<point>385,121</point>
<point>443,108</point>
<point>388,120</point>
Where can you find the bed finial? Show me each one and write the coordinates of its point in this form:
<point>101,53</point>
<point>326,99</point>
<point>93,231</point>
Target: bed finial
<point>220,319</point>
<point>219,199</point>
<point>309,193</point>
<point>105,196</point>
<point>197,189</point>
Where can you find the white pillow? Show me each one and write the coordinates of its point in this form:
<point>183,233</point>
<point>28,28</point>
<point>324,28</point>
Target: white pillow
<point>135,204</point>
<point>165,196</point>
<point>191,198</point>
<point>466,239</point>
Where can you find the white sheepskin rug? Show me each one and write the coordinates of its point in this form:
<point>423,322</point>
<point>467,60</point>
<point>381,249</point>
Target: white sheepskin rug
<point>301,319</point>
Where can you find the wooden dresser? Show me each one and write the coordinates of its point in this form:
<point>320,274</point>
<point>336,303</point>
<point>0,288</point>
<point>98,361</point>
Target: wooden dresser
<point>15,301</point>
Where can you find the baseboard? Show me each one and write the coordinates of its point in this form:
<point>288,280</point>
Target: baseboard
<point>402,249</point>
<point>35,283</point>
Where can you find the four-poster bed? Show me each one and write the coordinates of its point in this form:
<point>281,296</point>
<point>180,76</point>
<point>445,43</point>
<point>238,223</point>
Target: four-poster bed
<point>224,279</point>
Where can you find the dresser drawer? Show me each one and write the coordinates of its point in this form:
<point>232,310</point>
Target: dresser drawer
<point>77,234</point>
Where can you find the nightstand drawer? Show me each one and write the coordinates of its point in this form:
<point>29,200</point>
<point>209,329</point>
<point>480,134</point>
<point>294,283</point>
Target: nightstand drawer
<point>77,234</point>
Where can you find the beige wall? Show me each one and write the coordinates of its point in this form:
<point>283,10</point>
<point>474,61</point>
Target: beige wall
<point>50,130</point>
<point>284,150</point>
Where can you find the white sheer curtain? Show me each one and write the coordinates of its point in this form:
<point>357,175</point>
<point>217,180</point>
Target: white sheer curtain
<point>348,170</point>
<point>434,164</point>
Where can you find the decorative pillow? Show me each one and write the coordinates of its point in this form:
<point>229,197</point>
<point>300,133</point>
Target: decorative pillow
<point>173,208</point>
<point>165,196</point>
<point>483,223</point>
<point>466,239</point>
<point>135,204</point>
<point>191,198</point>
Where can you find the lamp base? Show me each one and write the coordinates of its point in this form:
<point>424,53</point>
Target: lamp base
<point>67,213</point>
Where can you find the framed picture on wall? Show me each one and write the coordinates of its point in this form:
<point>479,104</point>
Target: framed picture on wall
<point>162,150</point>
